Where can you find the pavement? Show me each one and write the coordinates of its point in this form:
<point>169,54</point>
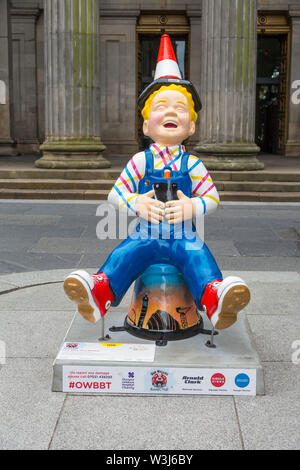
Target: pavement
<point>42,241</point>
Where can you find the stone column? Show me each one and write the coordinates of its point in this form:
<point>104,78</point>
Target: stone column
<point>194,16</point>
<point>228,85</point>
<point>72,95</point>
<point>6,140</point>
<point>292,146</point>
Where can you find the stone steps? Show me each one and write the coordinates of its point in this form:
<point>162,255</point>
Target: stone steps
<point>95,184</point>
<point>258,186</point>
<point>112,174</point>
<point>259,197</point>
<point>106,184</point>
<point>101,194</point>
<point>14,193</point>
<point>59,184</point>
<point>37,174</point>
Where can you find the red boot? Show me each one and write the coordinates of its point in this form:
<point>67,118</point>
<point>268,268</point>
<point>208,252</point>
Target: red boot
<point>91,293</point>
<point>224,299</point>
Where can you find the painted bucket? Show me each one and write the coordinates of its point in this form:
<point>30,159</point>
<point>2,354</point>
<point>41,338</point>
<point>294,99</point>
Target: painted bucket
<point>162,306</point>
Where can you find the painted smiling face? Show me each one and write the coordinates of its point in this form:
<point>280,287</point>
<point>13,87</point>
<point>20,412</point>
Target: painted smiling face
<point>169,121</point>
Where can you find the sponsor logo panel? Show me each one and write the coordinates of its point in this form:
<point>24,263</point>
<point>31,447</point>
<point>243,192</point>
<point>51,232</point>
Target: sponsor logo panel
<point>118,379</point>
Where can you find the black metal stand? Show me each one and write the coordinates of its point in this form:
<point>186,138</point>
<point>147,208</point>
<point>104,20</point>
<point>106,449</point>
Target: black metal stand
<point>161,337</point>
<point>210,342</point>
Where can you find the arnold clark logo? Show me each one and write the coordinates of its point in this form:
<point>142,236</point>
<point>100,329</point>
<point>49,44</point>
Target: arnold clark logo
<point>193,380</point>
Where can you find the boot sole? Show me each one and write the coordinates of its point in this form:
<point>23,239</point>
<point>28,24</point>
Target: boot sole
<point>77,292</point>
<point>234,300</point>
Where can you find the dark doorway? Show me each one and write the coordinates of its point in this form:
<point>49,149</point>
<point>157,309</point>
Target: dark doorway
<point>271,92</point>
<point>148,47</point>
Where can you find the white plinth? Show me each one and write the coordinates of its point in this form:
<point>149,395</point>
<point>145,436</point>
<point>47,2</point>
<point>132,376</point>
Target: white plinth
<point>187,366</point>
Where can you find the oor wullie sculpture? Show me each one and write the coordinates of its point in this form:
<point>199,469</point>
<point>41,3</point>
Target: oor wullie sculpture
<point>169,108</point>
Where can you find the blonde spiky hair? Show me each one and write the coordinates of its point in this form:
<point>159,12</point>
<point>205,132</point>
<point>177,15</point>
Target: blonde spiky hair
<point>181,89</point>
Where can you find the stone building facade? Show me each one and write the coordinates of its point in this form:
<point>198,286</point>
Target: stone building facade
<point>71,71</point>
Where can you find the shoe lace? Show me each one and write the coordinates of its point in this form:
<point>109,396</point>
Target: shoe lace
<point>215,284</point>
<point>97,279</point>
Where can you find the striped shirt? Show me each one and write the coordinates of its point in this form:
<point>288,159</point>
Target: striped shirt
<point>124,193</point>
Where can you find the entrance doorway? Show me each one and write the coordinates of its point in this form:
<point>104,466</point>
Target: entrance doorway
<point>271,83</point>
<point>149,31</point>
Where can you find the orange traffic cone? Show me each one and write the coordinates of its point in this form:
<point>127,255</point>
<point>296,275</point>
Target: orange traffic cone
<point>167,73</point>
<point>167,65</point>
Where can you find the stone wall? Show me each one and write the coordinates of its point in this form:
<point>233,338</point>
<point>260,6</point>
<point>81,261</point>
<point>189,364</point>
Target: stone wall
<point>6,118</point>
<point>117,68</point>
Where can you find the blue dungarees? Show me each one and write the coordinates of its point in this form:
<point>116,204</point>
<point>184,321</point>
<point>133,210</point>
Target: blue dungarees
<point>148,245</point>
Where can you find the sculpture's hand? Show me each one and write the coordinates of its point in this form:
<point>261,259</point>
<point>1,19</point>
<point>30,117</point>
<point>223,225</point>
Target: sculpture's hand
<point>177,211</point>
<point>150,209</point>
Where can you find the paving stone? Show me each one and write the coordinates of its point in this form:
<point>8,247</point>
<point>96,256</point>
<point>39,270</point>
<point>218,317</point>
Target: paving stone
<point>67,245</point>
<point>41,298</point>
<point>27,262</point>
<point>5,286</point>
<point>221,247</point>
<point>279,222</point>
<point>17,243</point>
<point>242,234</point>
<point>68,219</point>
<point>274,335</point>
<point>127,423</point>
<point>271,422</point>
<point>34,333</point>
<point>7,267</point>
<point>268,277</point>
<point>75,208</point>
<point>29,410</point>
<point>285,211</point>
<point>28,219</point>
<point>274,298</point>
<point>268,248</point>
<point>10,207</point>
<point>254,263</point>
<point>36,277</point>
<point>290,233</point>
<point>97,259</point>
<point>32,233</point>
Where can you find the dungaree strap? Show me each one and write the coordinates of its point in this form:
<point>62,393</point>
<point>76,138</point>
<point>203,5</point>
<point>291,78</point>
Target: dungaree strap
<point>184,163</point>
<point>149,162</point>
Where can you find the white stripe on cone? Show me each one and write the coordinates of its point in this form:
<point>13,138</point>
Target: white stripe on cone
<point>167,67</point>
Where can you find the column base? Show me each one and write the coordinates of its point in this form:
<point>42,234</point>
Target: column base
<point>83,154</point>
<point>233,157</point>
<point>292,148</point>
